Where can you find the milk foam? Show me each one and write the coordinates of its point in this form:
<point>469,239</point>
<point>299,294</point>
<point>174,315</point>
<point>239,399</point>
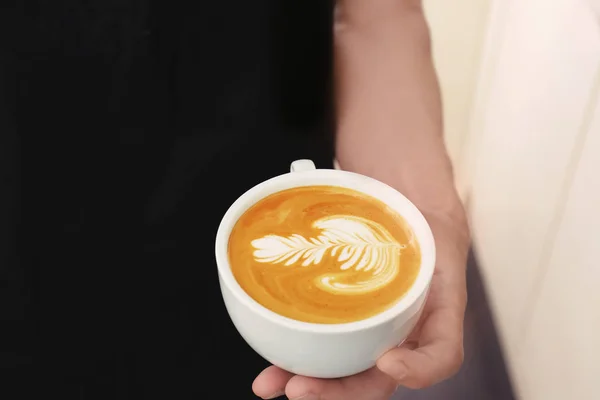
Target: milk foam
<point>357,245</point>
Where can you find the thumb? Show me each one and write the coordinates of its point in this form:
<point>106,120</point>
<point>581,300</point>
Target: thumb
<point>423,367</point>
<point>439,355</point>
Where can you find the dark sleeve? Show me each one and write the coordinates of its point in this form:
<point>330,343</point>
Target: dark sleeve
<point>16,327</point>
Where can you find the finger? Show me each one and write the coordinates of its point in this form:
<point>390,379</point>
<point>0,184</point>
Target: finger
<point>270,383</point>
<point>439,355</point>
<point>368,385</point>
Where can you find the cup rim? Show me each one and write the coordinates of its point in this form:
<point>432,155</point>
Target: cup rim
<point>413,217</point>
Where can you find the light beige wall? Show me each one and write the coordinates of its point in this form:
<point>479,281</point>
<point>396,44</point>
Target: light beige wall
<point>520,82</point>
<point>458,28</point>
<point>530,171</point>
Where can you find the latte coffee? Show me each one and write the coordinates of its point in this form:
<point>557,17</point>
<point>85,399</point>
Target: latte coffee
<point>323,254</point>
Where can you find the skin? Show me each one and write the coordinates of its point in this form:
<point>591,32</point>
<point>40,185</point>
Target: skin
<point>390,128</point>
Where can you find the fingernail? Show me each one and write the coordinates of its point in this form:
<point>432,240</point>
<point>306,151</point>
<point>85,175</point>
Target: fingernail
<point>398,371</point>
<point>274,395</point>
<point>308,397</point>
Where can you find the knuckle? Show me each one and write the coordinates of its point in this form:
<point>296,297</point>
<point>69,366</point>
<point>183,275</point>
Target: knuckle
<point>456,359</point>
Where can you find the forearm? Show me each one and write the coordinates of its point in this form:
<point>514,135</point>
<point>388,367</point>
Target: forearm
<point>389,112</point>
<point>389,108</point>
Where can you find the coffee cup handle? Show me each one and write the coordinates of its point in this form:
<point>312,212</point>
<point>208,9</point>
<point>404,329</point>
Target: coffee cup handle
<point>302,166</point>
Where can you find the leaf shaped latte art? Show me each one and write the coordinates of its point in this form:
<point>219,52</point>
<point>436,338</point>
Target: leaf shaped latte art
<point>368,254</point>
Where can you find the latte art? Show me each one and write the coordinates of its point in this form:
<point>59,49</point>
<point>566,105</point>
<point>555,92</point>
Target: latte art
<point>323,254</point>
<point>357,244</point>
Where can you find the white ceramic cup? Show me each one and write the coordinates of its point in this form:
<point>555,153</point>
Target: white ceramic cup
<point>324,350</point>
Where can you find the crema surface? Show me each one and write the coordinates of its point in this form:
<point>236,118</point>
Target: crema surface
<point>324,254</point>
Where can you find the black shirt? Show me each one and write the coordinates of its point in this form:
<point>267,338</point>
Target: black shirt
<point>127,127</point>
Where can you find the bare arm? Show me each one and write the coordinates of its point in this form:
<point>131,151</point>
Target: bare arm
<point>390,128</point>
